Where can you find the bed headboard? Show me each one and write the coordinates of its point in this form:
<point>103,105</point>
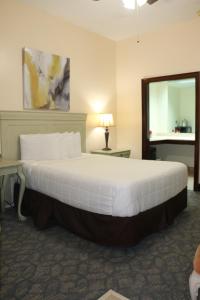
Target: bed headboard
<point>14,123</point>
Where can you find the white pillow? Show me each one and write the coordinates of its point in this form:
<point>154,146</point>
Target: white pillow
<point>66,144</point>
<point>76,145</point>
<point>39,146</point>
<point>70,145</point>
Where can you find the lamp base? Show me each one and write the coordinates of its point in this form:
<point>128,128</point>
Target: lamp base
<point>106,149</point>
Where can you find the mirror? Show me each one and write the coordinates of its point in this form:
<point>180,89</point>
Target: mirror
<point>172,109</point>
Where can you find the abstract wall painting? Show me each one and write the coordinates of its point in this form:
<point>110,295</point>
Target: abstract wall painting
<point>46,81</point>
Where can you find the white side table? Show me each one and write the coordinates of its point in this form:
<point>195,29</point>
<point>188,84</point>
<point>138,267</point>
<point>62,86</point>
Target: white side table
<point>8,168</point>
<point>115,152</point>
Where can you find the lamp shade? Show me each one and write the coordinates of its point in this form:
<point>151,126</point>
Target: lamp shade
<point>106,120</point>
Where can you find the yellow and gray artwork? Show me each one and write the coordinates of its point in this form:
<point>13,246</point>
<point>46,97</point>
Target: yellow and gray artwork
<point>46,80</point>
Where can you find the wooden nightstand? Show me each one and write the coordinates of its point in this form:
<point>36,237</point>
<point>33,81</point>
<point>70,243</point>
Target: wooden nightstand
<point>6,169</point>
<point>116,152</point>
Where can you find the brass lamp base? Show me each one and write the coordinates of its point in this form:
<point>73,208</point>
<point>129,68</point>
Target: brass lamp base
<point>106,149</point>
<point>106,139</point>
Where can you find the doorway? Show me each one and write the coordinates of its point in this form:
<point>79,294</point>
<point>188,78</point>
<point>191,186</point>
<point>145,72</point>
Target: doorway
<point>170,120</point>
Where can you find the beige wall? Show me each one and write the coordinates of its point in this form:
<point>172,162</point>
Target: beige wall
<point>92,61</point>
<point>96,72</point>
<point>172,50</point>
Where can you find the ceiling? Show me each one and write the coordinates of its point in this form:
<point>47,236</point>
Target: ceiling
<point>110,19</point>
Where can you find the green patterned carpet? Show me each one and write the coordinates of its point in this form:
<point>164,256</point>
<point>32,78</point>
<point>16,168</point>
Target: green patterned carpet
<point>54,264</point>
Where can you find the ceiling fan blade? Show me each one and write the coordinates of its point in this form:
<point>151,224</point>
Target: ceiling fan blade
<point>151,1</point>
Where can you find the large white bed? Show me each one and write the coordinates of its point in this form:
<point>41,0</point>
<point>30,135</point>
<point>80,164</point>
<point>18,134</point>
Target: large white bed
<point>108,200</point>
<point>107,185</point>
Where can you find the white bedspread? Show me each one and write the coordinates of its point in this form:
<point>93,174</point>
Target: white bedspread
<point>107,185</point>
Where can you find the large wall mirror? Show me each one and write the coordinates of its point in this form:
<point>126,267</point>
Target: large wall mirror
<point>170,120</point>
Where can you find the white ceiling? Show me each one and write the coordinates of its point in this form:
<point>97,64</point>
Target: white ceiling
<point>110,19</point>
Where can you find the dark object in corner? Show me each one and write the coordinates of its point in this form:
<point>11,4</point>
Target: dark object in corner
<point>183,129</point>
<point>152,153</point>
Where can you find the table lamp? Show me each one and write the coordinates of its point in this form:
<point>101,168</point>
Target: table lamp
<point>106,120</point>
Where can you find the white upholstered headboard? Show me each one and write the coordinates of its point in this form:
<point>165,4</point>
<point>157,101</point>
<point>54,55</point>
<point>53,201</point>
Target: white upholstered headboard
<point>14,123</point>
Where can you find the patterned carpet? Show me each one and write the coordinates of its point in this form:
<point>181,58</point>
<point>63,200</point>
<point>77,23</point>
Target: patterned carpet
<point>56,265</point>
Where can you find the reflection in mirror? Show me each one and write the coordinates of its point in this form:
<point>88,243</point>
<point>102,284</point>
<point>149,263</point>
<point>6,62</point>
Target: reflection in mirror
<point>172,110</point>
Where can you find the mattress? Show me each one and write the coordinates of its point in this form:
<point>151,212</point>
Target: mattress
<point>107,185</point>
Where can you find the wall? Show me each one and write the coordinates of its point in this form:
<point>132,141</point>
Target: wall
<point>92,62</point>
<point>173,108</point>
<point>187,108</point>
<point>171,50</point>
<point>158,107</point>
<point>94,65</point>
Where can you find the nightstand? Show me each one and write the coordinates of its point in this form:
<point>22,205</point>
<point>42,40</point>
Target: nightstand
<point>116,152</point>
<point>8,168</point>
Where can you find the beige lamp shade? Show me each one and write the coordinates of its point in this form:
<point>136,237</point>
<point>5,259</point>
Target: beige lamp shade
<point>106,120</point>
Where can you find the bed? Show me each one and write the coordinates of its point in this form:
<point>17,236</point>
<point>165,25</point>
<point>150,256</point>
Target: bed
<point>108,200</point>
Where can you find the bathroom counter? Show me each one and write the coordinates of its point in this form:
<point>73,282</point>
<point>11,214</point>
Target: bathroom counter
<point>176,138</point>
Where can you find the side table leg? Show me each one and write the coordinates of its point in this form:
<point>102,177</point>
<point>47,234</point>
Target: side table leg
<point>4,183</point>
<point>21,193</point>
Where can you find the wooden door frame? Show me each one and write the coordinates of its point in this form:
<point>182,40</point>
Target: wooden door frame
<point>145,117</point>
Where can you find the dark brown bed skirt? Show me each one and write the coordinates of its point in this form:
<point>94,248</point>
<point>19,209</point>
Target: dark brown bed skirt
<point>102,229</point>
